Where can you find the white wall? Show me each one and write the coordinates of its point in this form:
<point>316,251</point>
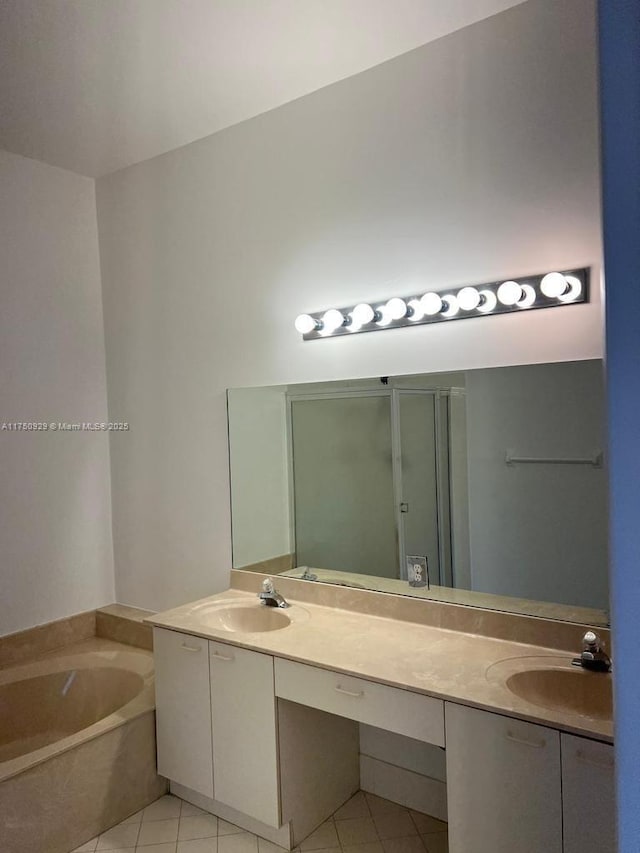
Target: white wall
<point>259,474</point>
<point>55,515</point>
<point>472,158</point>
<point>538,531</point>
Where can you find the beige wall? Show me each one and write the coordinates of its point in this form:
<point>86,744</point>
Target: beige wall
<point>55,503</point>
<point>472,158</point>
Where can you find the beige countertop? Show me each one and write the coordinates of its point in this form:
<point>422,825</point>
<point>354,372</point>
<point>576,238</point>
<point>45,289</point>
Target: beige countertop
<point>452,665</point>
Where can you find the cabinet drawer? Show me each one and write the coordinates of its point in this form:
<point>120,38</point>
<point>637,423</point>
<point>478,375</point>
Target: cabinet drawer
<point>390,708</point>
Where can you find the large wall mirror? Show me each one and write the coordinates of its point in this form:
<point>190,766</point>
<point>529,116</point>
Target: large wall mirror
<point>495,476</point>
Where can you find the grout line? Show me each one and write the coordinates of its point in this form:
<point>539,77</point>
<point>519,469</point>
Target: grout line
<point>139,829</point>
<point>180,821</point>
<point>368,807</point>
<point>413,820</point>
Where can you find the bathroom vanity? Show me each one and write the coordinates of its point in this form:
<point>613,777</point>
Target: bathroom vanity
<point>258,712</point>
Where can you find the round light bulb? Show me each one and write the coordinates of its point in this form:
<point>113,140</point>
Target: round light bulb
<point>528,298</point>
<point>468,298</point>
<point>575,289</point>
<point>332,320</point>
<point>362,314</point>
<point>509,293</point>
<point>431,304</point>
<point>488,303</point>
<point>416,310</point>
<point>305,324</point>
<point>396,308</point>
<point>452,305</point>
<point>554,284</point>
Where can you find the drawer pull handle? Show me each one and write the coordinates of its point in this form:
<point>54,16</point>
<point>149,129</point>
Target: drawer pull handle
<point>189,648</point>
<point>355,693</point>
<point>219,656</point>
<point>536,744</point>
<point>607,764</point>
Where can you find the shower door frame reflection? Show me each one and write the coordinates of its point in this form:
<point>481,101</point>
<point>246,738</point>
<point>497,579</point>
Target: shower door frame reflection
<point>439,398</point>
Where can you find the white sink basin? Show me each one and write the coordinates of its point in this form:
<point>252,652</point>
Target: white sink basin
<point>553,683</point>
<point>572,690</point>
<point>249,619</point>
<point>243,617</point>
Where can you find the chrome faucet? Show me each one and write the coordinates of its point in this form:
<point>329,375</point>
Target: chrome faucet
<point>593,655</point>
<point>269,596</point>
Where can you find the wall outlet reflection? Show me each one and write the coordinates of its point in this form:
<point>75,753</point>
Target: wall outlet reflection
<point>418,571</point>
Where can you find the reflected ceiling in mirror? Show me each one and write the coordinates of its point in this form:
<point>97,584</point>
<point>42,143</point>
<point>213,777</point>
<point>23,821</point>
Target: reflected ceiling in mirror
<point>495,477</point>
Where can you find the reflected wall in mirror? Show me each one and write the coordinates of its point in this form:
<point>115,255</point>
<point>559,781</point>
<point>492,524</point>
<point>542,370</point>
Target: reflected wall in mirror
<point>496,476</point>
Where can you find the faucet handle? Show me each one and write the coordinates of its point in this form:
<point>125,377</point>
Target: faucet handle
<point>267,586</point>
<point>593,655</point>
<point>591,641</point>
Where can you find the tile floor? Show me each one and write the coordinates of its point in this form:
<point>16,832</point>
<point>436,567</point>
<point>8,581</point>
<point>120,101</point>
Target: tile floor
<point>365,824</point>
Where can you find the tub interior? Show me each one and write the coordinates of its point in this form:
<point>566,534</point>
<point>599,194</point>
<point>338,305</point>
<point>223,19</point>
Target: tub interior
<point>41,710</point>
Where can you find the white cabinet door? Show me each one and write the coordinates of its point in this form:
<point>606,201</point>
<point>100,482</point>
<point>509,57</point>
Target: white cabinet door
<point>503,784</point>
<point>588,796</point>
<point>245,756</point>
<point>183,709</point>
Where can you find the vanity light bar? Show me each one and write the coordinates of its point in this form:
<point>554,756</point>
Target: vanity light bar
<point>548,290</point>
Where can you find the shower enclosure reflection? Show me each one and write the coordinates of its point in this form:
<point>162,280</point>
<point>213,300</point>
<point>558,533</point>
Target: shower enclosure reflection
<point>369,480</point>
<point>495,476</point>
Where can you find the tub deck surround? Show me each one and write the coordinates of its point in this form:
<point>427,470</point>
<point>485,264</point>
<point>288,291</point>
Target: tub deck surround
<point>129,670</point>
<point>79,744</point>
<point>59,804</point>
<point>125,624</point>
<point>434,661</point>
<point>117,622</point>
<point>33,642</point>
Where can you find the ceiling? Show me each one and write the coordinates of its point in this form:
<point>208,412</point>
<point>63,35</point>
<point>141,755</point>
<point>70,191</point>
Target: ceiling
<point>97,85</point>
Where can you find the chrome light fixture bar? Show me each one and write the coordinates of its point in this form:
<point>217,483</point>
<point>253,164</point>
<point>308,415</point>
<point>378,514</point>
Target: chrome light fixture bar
<point>547,290</point>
